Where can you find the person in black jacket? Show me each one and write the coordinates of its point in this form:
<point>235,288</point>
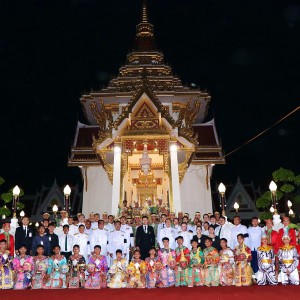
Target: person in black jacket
<point>200,238</point>
<point>24,236</point>
<point>41,239</point>
<point>53,238</point>
<point>145,238</point>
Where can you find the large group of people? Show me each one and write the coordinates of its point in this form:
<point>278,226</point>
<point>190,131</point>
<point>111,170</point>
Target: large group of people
<point>148,251</point>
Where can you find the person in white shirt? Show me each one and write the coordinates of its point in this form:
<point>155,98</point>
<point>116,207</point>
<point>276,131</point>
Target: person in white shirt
<point>162,223</point>
<point>66,242</point>
<point>110,226</point>
<point>83,241</point>
<point>99,236</point>
<point>168,232</point>
<point>236,229</point>
<point>187,236</point>
<point>88,227</point>
<point>255,234</point>
<point>72,228</point>
<point>96,220</point>
<point>129,235</point>
<point>117,239</point>
<point>176,225</point>
<point>223,231</point>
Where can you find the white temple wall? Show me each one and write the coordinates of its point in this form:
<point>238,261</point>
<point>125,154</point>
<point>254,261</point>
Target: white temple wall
<point>98,196</point>
<point>193,191</point>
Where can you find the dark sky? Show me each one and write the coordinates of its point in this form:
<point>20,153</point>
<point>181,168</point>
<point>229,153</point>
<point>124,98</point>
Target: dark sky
<point>246,53</point>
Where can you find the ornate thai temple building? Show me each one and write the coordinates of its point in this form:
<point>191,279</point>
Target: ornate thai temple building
<point>145,137</point>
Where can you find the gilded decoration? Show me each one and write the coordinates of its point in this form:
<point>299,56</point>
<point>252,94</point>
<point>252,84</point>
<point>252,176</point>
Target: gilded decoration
<point>104,119</point>
<point>186,119</point>
<point>107,167</point>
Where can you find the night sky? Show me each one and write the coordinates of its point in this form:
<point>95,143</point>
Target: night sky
<point>245,53</point>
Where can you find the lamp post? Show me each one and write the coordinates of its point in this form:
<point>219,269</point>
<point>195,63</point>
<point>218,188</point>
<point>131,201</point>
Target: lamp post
<point>236,207</point>
<point>222,190</point>
<point>22,214</point>
<point>55,210</point>
<point>291,212</point>
<point>67,193</point>
<point>273,189</point>
<point>272,209</point>
<point>16,194</point>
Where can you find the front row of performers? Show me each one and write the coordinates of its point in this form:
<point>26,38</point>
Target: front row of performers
<point>163,268</point>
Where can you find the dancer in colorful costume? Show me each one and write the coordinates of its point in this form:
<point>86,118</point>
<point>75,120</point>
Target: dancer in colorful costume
<point>196,261</point>
<point>266,263</point>
<point>242,257</point>
<point>97,269</point>
<point>210,272</point>
<point>288,260</point>
<point>118,271</point>
<point>6,267</point>
<point>226,265</point>
<point>40,263</point>
<point>23,267</point>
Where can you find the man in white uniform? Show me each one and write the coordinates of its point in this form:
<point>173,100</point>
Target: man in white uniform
<point>223,231</point>
<point>129,235</point>
<point>236,229</point>
<point>110,225</point>
<point>99,236</point>
<point>187,236</point>
<point>117,240</point>
<point>255,234</point>
<point>82,239</point>
<point>168,232</point>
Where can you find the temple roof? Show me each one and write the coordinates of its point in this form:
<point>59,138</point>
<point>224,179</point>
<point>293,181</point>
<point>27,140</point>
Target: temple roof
<point>145,61</point>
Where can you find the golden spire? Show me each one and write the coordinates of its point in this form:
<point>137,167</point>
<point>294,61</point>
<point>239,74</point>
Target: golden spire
<point>144,12</point>
<point>144,32</point>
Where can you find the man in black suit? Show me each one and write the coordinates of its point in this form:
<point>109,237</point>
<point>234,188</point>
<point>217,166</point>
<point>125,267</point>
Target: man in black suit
<point>145,238</point>
<point>24,236</point>
<point>53,238</point>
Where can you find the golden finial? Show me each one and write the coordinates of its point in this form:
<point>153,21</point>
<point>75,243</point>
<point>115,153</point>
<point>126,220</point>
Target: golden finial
<point>144,12</point>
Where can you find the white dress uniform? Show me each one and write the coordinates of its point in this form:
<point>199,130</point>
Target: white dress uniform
<point>117,240</point>
<point>235,230</point>
<point>82,239</point>
<point>110,227</point>
<point>177,228</point>
<point>224,232</point>
<point>255,234</point>
<point>73,229</point>
<point>187,237</point>
<point>159,227</point>
<point>129,236</point>
<point>62,242</point>
<point>171,234</point>
<point>99,237</point>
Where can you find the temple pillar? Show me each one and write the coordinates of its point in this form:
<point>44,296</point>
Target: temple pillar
<point>175,179</point>
<point>116,181</point>
<point>195,190</point>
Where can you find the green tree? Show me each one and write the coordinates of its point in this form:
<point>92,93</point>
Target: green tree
<point>287,182</point>
<point>6,198</point>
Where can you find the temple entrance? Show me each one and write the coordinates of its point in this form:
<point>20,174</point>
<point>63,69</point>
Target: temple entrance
<point>145,174</point>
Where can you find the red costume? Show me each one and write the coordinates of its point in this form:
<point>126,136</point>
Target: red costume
<point>272,236</point>
<point>10,243</point>
<point>291,233</point>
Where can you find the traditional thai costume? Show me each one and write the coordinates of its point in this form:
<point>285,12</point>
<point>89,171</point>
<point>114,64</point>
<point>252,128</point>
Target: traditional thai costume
<point>266,266</point>
<point>136,272</point>
<point>210,272</point>
<point>76,277</point>
<point>6,271</point>
<point>226,267</point>
<point>152,275</point>
<point>23,267</point>
<point>40,266</point>
<point>10,242</point>
<point>166,274</point>
<point>182,261</point>
<point>57,269</point>
<point>97,269</point>
<point>118,273</point>
<point>194,270</point>
<point>243,271</point>
<point>288,261</point>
